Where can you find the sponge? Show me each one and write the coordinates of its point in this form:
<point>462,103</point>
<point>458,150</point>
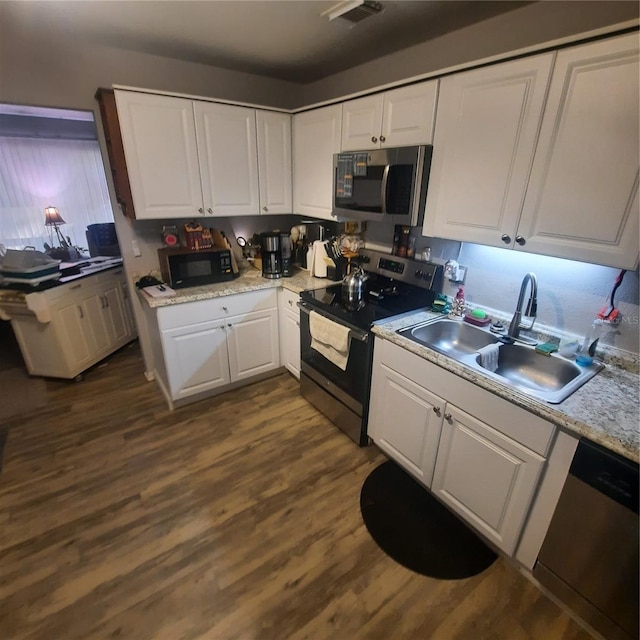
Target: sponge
<point>546,348</point>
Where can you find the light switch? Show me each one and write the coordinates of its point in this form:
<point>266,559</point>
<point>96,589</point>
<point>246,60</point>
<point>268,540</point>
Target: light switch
<point>136,249</point>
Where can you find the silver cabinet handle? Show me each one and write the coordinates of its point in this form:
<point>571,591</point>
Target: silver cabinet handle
<point>521,241</point>
<point>106,302</point>
<point>76,286</point>
<point>200,210</point>
<point>382,139</point>
<point>209,210</point>
<point>80,312</point>
<point>101,302</point>
<point>297,323</point>
<point>448,417</point>
<point>506,238</point>
<point>437,411</point>
<point>374,139</point>
<point>290,303</point>
<point>265,208</point>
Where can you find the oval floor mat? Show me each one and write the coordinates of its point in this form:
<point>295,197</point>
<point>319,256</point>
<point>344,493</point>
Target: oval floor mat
<point>412,527</point>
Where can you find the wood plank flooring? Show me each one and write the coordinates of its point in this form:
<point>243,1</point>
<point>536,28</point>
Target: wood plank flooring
<point>233,518</point>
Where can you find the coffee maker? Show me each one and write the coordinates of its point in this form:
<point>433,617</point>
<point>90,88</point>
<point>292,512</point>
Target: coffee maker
<point>285,251</point>
<point>271,255</point>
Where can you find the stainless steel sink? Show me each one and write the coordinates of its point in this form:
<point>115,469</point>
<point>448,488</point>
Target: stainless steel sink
<point>549,378</point>
<point>450,337</point>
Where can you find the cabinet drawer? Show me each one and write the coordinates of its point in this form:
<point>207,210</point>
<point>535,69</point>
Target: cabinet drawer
<point>190,313</point>
<point>521,425</point>
<point>289,300</point>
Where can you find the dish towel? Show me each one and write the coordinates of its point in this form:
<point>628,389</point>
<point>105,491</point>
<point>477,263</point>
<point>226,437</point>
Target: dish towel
<point>330,339</point>
<point>489,356</point>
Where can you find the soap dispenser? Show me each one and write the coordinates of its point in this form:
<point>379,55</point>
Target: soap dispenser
<point>458,304</point>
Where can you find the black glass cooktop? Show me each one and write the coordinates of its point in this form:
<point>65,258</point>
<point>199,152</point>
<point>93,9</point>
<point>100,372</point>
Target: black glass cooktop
<point>384,298</point>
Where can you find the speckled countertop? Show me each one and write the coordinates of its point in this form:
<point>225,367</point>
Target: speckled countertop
<point>249,280</point>
<point>604,410</point>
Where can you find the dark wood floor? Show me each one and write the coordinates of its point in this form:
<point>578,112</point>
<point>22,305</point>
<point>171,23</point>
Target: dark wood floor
<point>233,518</point>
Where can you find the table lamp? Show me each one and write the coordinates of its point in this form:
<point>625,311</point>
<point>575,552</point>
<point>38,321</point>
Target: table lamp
<point>52,218</point>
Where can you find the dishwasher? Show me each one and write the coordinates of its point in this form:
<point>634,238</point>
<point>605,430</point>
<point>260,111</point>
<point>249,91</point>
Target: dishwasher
<point>589,558</point>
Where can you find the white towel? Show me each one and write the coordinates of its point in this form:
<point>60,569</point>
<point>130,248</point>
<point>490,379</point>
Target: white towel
<point>489,356</point>
<point>329,339</point>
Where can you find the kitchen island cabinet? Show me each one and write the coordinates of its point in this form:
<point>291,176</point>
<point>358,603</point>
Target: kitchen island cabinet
<point>481,456</point>
<point>66,329</point>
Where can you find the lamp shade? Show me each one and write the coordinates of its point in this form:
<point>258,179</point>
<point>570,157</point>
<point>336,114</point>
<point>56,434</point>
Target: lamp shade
<point>52,218</point>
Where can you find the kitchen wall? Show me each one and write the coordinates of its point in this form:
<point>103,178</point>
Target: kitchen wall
<point>523,27</point>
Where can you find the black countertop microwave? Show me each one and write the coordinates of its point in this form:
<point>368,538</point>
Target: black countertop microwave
<point>188,268</point>
<point>383,185</point>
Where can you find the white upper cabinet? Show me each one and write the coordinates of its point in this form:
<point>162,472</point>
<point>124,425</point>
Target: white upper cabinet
<point>316,137</point>
<point>397,118</point>
<point>485,136</point>
<point>228,158</point>
<point>274,161</point>
<point>582,200</point>
<point>159,139</point>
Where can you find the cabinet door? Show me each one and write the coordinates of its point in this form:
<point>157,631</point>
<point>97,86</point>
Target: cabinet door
<point>361,123</point>
<point>582,200</point>
<point>159,139</point>
<point>488,122</point>
<point>228,159</point>
<point>116,321</point>
<point>196,358</point>
<point>74,339</point>
<point>409,114</point>
<point>128,311</point>
<point>290,341</point>
<point>316,137</point>
<point>95,322</point>
<point>253,344</point>
<point>485,477</point>
<point>274,162</point>
<point>405,422</point>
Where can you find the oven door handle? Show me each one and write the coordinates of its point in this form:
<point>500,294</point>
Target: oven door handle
<point>355,333</point>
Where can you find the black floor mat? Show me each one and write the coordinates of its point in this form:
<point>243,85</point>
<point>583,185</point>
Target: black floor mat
<point>412,527</point>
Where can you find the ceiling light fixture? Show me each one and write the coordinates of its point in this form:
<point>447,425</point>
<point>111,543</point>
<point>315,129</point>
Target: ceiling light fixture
<point>353,11</point>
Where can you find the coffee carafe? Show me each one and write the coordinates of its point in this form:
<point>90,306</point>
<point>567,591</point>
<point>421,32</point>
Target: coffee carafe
<point>285,252</point>
<point>271,255</point>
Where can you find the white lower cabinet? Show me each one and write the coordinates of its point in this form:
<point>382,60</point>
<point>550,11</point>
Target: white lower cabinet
<point>209,344</point>
<point>480,455</point>
<point>289,320</point>
<point>66,329</point>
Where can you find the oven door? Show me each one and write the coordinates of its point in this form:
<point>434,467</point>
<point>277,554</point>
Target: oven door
<point>343,396</point>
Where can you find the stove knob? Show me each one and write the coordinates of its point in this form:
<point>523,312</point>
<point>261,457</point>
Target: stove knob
<point>419,273</point>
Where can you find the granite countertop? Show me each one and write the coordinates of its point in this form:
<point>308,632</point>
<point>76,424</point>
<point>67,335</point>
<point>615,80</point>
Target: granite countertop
<point>604,410</point>
<point>249,280</point>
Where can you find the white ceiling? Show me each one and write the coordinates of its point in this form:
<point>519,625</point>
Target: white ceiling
<point>289,40</point>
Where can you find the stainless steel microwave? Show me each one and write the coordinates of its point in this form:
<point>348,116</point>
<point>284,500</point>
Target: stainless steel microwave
<point>189,268</point>
<point>384,184</point>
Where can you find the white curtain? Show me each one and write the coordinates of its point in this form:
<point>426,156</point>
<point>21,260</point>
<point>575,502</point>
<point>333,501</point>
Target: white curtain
<point>36,173</point>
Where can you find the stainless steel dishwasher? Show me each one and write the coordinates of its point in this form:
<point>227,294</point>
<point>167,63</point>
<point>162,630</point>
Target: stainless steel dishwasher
<point>589,558</point>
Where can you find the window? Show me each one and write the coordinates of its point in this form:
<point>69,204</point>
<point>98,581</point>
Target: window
<point>49,157</point>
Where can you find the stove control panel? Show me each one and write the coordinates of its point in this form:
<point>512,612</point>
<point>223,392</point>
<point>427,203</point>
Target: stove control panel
<point>421,274</point>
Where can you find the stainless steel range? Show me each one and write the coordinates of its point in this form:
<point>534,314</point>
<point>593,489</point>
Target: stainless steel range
<point>394,286</point>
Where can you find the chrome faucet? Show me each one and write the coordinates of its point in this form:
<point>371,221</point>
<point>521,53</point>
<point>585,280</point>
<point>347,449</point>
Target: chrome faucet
<point>530,310</point>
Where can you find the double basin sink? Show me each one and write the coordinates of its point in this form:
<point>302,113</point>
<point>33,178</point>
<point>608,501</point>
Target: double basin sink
<point>548,378</point>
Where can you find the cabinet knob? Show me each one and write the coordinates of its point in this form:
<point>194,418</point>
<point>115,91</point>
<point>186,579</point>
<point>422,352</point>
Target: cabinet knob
<point>225,309</point>
<point>290,303</point>
<point>209,210</point>
<point>229,325</point>
<point>506,238</point>
<point>448,417</point>
<point>80,312</point>
<point>521,241</point>
<point>374,139</point>
<point>200,210</point>
<point>265,209</point>
<point>297,323</point>
<point>437,411</point>
<point>382,139</point>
